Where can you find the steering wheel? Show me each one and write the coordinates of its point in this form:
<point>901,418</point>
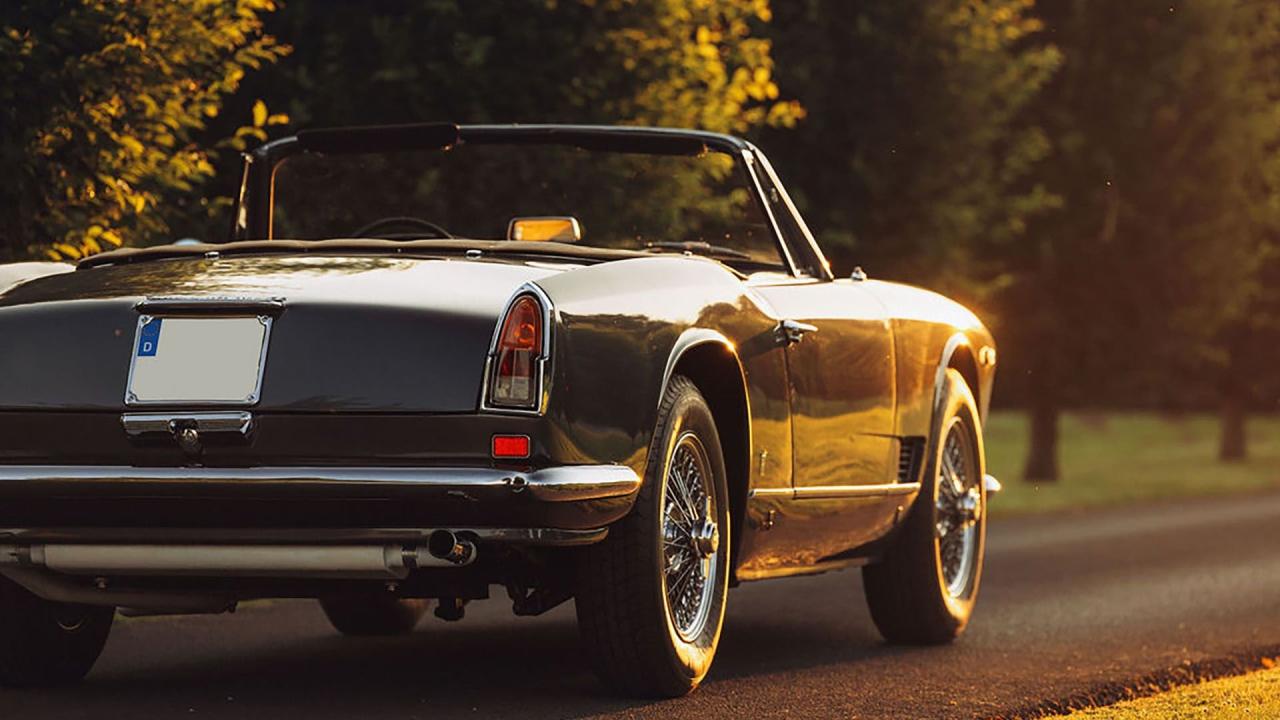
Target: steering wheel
<point>404,221</point>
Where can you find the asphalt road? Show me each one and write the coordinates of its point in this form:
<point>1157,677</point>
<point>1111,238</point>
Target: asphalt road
<point>1068,603</point>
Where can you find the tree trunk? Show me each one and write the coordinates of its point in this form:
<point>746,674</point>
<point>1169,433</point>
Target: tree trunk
<point>1042,454</point>
<point>1232,441</point>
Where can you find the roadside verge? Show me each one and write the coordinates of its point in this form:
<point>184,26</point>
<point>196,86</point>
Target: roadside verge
<point>1182,691</point>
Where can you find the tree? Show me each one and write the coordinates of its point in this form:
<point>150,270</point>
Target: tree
<point>1242,357</point>
<point>678,62</point>
<point>693,63</point>
<point>100,108</point>
<point>913,159</point>
<point>1155,138</point>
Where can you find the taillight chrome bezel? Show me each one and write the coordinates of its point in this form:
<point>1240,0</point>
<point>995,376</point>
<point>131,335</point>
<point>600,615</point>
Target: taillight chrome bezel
<point>542,363</point>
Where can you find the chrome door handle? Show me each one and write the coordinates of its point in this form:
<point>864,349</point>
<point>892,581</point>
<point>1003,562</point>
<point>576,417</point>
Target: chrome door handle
<point>792,331</point>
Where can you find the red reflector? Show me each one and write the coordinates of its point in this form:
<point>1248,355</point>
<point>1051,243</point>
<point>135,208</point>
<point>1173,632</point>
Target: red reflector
<point>511,446</point>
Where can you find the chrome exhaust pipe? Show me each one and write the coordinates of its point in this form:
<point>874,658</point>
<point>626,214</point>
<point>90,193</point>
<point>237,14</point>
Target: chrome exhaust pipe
<point>444,545</point>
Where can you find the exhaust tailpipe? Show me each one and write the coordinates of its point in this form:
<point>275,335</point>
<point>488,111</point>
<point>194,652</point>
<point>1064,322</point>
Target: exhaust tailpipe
<point>444,545</point>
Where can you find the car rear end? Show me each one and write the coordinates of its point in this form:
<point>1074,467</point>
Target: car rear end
<point>183,434</point>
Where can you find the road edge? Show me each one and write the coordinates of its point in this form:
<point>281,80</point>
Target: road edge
<point>1188,673</point>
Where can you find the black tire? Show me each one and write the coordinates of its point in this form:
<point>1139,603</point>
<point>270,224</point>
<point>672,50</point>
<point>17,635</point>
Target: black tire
<point>632,637</point>
<point>362,615</point>
<point>47,643</point>
<point>907,591</point>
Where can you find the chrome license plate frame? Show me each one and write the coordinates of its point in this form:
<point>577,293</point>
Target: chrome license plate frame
<point>227,352</point>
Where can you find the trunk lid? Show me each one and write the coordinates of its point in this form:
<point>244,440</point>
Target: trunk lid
<point>357,333</point>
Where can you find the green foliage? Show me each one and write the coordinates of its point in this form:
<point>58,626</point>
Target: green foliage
<point>913,159</point>
<point>1164,128</point>
<point>1124,458</point>
<point>1247,334</point>
<point>675,62</point>
<point>689,63</point>
<point>692,63</point>
<point>99,112</point>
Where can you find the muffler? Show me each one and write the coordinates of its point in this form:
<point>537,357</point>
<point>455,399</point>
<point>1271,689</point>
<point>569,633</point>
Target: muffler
<point>355,562</point>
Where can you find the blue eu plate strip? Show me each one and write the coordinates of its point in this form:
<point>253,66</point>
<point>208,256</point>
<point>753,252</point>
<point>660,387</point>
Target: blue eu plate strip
<point>149,338</point>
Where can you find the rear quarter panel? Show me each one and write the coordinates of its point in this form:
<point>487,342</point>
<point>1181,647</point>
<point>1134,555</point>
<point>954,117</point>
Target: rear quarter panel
<point>618,326</point>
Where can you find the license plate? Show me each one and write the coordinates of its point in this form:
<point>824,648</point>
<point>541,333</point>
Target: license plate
<point>198,360</point>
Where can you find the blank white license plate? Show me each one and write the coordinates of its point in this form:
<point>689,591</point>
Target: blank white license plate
<point>198,360</point>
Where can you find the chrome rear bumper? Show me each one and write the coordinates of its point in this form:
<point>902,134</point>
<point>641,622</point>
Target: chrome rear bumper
<point>555,484</point>
<point>71,533</point>
<point>266,498</point>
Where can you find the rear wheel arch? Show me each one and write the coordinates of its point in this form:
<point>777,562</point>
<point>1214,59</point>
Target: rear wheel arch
<point>708,359</point>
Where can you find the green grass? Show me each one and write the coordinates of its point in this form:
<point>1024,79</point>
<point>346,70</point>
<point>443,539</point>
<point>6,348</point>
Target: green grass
<point>1256,695</point>
<point>1117,458</point>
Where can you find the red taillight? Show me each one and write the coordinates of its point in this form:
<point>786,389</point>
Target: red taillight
<point>510,446</point>
<point>515,366</point>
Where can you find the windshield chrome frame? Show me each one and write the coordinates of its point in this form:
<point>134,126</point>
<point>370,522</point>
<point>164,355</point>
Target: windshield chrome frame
<point>252,215</point>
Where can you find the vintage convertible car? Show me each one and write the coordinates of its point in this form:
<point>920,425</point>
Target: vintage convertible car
<point>604,364</point>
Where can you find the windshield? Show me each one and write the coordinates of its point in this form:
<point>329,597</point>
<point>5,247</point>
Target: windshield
<point>658,203</point>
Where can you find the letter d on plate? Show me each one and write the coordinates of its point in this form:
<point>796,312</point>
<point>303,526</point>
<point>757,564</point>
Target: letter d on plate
<point>149,338</point>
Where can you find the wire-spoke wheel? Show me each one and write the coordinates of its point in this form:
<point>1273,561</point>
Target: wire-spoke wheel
<point>923,590</point>
<point>690,537</point>
<point>959,509</point>
<point>651,596</point>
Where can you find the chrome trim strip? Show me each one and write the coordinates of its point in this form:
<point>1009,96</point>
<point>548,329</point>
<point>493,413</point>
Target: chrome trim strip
<point>556,484</point>
<point>749,160</point>
<point>836,492</point>
<point>544,360</point>
<point>831,492</point>
<point>136,424</point>
<point>232,305</point>
<point>777,183</point>
<point>773,492</point>
<point>822,566</point>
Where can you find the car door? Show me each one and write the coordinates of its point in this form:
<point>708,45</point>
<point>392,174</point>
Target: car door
<point>840,369</point>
